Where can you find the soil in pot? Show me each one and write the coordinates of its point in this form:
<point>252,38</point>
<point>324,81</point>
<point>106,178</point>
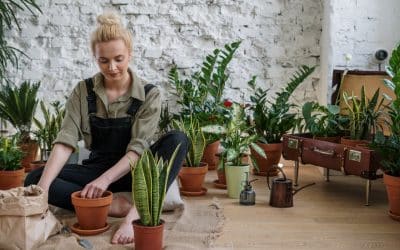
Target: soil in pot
<point>91,213</point>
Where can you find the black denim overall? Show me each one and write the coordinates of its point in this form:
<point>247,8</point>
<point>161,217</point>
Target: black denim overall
<point>110,138</point>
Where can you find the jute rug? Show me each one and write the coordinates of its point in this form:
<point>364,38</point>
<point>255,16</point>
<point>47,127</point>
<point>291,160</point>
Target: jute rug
<point>196,226</point>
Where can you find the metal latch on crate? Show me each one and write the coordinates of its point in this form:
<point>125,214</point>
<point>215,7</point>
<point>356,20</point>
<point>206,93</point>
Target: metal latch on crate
<point>354,155</point>
<point>293,143</point>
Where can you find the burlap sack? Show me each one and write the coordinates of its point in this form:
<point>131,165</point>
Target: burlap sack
<point>25,220</point>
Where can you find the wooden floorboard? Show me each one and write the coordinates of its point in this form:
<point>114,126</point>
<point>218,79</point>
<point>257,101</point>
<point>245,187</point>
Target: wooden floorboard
<point>328,215</point>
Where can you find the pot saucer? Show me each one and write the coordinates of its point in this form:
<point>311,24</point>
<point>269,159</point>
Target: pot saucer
<point>188,193</point>
<point>76,229</point>
<point>219,185</point>
<point>394,216</point>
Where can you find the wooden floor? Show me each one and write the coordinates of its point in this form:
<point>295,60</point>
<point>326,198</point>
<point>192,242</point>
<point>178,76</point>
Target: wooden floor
<point>328,215</point>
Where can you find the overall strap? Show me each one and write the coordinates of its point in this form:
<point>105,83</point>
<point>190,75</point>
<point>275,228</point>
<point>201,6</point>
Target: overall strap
<point>91,97</point>
<point>135,105</point>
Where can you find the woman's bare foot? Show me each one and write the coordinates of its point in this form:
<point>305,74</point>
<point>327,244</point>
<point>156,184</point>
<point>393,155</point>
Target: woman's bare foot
<point>120,207</point>
<point>124,234</point>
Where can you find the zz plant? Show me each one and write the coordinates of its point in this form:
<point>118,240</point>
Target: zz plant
<point>389,146</point>
<point>149,185</point>
<point>273,118</point>
<point>200,95</point>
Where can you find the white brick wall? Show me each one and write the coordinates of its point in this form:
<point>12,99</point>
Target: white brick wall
<point>277,35</point>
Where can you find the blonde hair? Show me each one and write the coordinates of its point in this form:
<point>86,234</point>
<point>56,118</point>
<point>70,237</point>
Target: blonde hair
<point>110,28</point>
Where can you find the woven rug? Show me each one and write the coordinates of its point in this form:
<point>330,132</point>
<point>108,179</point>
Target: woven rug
<point>196,226</point>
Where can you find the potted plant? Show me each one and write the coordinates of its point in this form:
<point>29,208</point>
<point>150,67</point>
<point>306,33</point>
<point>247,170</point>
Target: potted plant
<point>236,143</point>
<point>389,147</point>
<point>273,118</point>
<point>363,115</point>
<point>324,122</point>
<point>91,213</point>
<point>201,95</point>
<point>149,185</point>
<point>17,106</point>
<point>11,172</point>
<point>193,172</point>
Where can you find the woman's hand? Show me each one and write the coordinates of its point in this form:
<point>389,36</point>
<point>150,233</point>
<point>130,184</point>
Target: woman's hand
<point>96,188</point>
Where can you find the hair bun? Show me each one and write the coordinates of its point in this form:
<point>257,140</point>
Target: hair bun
<point>109,19</point>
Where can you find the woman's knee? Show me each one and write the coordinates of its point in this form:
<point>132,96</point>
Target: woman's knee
<point>33,177</point>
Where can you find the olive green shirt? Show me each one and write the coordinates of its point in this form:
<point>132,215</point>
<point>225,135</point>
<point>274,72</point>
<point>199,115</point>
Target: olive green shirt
<point>76,126</point>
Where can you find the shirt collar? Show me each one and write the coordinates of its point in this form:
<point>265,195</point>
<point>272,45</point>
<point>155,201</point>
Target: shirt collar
<point>135,91</point>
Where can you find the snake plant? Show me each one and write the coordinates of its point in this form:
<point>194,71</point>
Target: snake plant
<point>149,184</point>
<point>191,127</point>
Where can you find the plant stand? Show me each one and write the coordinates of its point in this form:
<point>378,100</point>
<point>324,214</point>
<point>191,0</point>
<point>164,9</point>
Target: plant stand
<point>349,160</point>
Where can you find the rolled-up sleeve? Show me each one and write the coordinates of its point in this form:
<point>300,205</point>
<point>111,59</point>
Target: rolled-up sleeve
<point>69,132</point>
<point>146,122</point>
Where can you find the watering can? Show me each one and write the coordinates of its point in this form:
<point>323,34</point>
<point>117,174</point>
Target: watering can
<point>282,190</point>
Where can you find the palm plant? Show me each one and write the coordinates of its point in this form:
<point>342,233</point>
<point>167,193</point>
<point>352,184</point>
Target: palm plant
<point>9,54</point>
<point>149,185</point>
<point>18,105</point>
<point>363,114</point>
<point>192,129</point>
<point>273,118</point>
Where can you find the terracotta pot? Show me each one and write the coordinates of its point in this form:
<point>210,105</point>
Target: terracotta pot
<point>148,238</point>
<point>36,164</point>
<point>30,153</point>
<point>393,191</point>
<point>209,155</point>
<point>352,143</point>
<point>91,213</point>
<point>273,152</point>
<point>11,179</point>
<point>192,178</point>
<point>221,176</point>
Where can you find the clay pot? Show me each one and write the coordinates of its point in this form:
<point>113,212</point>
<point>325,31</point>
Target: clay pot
<point>148,238</point>
<point>192,178</point>
<point>393,191</point>
<point>209,155</point>
<point>91,213</point>
<point>30,150</point>
<point>221,177</point>
<point>11,179</point>
<point>36,164</point>
<point>352,143</point>
<point>273,152</point>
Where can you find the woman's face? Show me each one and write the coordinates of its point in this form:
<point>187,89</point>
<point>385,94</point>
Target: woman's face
<point>113,59</point>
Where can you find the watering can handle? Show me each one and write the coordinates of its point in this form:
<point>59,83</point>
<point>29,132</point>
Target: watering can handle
<point>279,169</point>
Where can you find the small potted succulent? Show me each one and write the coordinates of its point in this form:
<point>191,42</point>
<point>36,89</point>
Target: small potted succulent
<point>193,172</point>
<point>236,143</point>
<point>149,185</point>
<point>11,171</point>
<point>273,118</point>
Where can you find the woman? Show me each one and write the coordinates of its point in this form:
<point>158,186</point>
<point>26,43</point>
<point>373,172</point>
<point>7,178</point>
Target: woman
<point>116,115</point>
